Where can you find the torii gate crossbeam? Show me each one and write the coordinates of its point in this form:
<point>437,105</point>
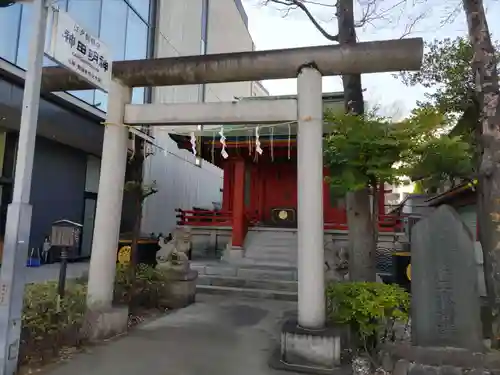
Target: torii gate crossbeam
<point>366,57</point>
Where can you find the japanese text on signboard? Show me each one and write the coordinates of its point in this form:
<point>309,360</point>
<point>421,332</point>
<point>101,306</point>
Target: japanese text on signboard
<point>81,52</point>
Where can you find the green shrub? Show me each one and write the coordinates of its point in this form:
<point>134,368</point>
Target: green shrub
<point>145,290</point>
<point>368,308</point>
<point>44,330</point>
<point>40,306</point>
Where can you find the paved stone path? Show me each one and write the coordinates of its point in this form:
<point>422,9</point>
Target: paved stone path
<point>217,335</point>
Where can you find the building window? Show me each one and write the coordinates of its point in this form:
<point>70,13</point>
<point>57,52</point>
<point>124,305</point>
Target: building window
<point>136,44</point>
<point>86,13</point>
<point>121,24</point>
<point>9,28</point>
<point>25,34</point>
<point>85,95</point>
<point>101,100</point>
<point>114,27</point>
<point>141,7</point>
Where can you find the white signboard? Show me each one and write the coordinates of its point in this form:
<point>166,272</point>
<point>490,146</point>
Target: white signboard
<point>79,51</point>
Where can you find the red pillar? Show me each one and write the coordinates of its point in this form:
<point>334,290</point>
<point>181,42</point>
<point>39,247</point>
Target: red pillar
<point>381,198</point>
<point>227,195</point>
<point>239,222</point>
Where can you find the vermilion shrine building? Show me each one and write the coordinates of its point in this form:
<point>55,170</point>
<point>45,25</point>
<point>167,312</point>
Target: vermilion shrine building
<point>260,189</point>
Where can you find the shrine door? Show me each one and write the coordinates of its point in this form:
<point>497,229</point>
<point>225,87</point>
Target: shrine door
<point>280,189</point>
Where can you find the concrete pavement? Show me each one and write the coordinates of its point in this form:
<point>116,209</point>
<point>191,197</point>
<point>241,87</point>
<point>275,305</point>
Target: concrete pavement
<point>217,335</point>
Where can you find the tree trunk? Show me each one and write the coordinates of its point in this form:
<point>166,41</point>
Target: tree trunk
<point>136,231</point>
<point>361,236</point>
<point>135,172</point>
<point>485,66</point>
<point>362,242</point>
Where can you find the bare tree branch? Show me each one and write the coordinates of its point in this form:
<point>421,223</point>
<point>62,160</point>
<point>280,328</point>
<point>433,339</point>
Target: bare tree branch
<point>290,4</point>
<point>409,28</point>
<point>369,12</point>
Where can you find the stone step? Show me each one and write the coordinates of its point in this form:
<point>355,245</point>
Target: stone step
<point>271,247</point>
<point>238,282</point>
<point>249,269</point>
<point>272,233</point>
<point>273,257</point>
<point>272,250</point>
<point>249,293</point>
<point>271,238</point>
<point>260,262</point>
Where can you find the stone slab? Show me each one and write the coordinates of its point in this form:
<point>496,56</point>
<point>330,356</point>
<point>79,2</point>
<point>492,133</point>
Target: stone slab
<point>237,282</point>
<point>220,270</point>
<point>276,363</point>
<point>218,335</point>
<point>256,273</point>
<point>445,297</point>
<point>457,357</point>
<point>200,268</point>
<point>104,324</point>
<point>233,253</point>
<point>278,295</point>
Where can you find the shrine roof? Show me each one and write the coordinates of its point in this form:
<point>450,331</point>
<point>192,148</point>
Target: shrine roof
<point>337,96</point>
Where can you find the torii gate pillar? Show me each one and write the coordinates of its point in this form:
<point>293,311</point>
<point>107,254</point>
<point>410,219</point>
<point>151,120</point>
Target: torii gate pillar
<point>108,213</point>
<point>311,275</point>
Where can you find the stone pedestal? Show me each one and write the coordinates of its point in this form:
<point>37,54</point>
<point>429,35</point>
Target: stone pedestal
<point>180,290</point>
<point>311,351</point>
<point>105,323</point>
<point>233,254</point>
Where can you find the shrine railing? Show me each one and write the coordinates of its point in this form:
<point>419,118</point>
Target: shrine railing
<point>210,218</point>
<point>386,223</point>
<point>204,218</point>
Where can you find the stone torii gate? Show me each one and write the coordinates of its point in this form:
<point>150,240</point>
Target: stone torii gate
<point>309,65</point>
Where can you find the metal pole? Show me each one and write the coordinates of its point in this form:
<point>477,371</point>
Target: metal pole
<point>61,285</point>
<point>17,231</point>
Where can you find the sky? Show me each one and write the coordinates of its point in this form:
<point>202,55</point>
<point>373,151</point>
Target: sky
<point>271,30</point>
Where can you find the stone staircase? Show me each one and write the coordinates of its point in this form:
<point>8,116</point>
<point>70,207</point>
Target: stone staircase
<point>267,270</point>
<point>254,281</point>
<point>271,247</point>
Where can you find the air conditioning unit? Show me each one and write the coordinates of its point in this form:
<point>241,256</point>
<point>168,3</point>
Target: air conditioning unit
<point>284,216</point>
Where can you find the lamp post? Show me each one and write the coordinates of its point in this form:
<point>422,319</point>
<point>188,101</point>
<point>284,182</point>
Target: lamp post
<point>17,230</point>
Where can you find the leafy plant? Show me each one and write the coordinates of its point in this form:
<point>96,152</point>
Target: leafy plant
<point>40,300</point>
<point>44,331</point>
<point>144,289</point>
<point>368,308</point>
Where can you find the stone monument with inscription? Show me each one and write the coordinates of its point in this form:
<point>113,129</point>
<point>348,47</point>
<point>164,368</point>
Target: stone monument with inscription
<point>445,298</point>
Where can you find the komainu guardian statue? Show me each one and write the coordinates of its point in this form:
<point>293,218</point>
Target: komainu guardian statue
<point>173,254</point>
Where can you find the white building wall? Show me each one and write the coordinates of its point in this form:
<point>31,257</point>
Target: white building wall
<point>180,182</point>
<point>227,33</point>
